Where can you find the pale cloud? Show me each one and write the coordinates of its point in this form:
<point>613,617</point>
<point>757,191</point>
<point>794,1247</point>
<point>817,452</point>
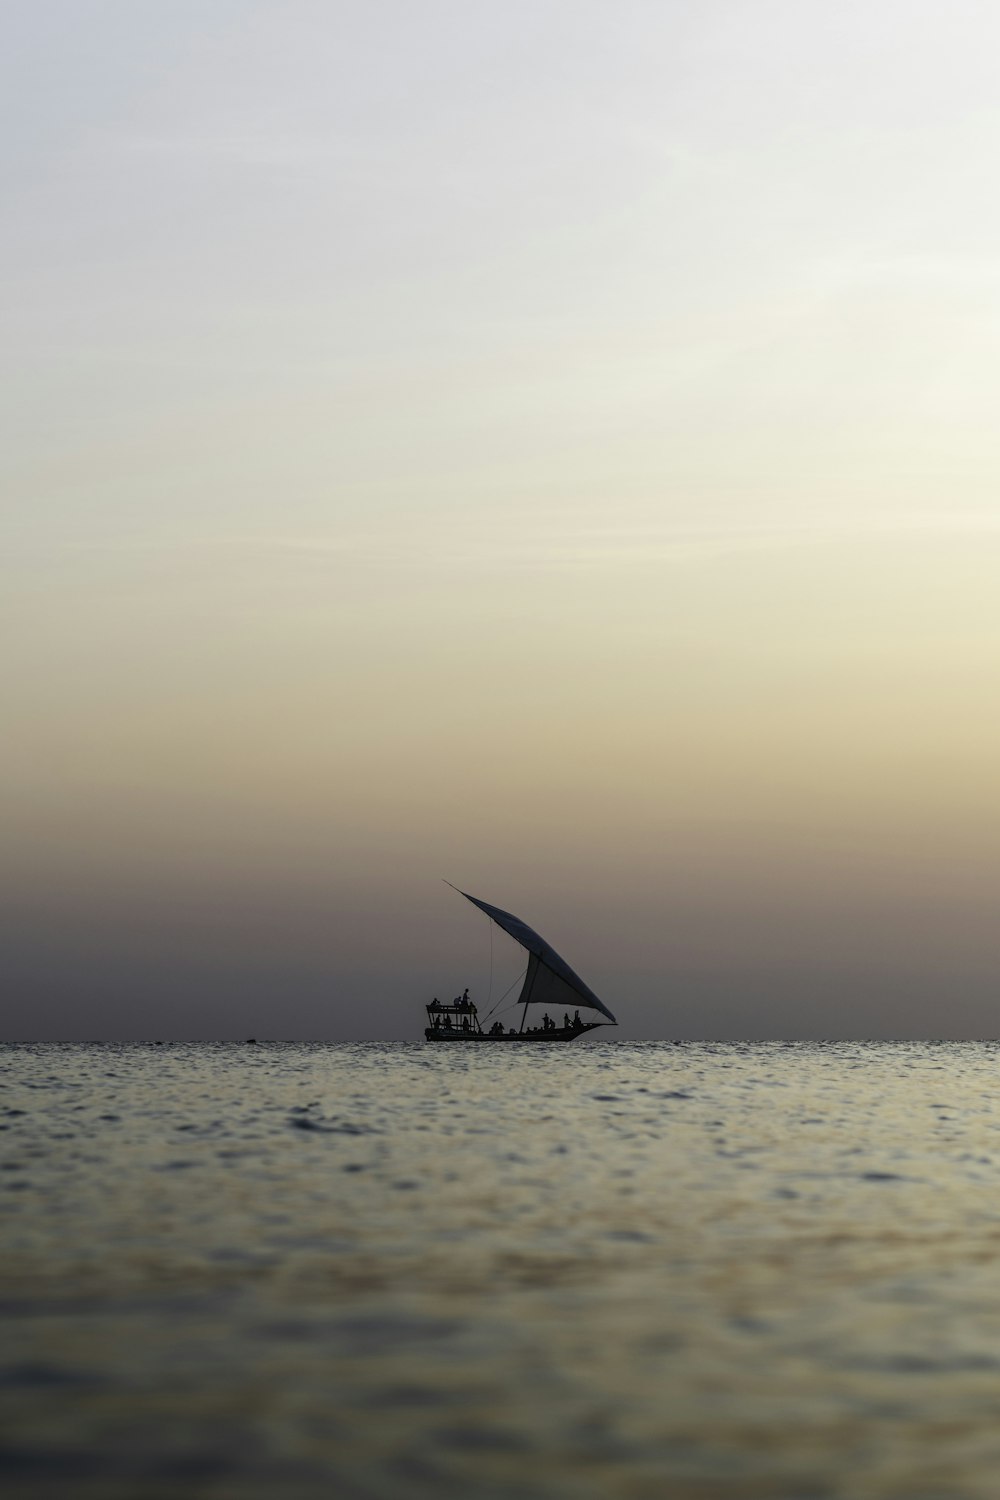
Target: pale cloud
<point>211,149</point>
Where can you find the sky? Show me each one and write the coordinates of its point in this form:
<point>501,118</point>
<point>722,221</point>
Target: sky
<point>546,446</point>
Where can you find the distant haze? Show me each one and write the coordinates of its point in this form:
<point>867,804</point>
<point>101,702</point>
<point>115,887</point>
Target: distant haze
<point>550,446</point>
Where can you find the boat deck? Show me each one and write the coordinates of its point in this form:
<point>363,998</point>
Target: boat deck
<point>556,1034</point>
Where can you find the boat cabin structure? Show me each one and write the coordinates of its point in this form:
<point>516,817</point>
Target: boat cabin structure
<point>460,1015</point>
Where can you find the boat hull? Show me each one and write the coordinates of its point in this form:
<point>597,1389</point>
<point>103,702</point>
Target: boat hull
<point>560,1034</point>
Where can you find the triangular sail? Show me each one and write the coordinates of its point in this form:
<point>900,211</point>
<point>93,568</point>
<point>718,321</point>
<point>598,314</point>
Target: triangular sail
<point>549,980</point>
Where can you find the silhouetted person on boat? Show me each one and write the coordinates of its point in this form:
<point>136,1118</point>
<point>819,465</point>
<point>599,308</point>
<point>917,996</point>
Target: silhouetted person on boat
<point>576,1020</point>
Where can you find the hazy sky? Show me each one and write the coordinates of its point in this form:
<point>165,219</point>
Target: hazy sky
<point>549,445</point>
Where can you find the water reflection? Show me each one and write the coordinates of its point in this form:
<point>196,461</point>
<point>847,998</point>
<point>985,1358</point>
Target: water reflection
<point>742,1271</point>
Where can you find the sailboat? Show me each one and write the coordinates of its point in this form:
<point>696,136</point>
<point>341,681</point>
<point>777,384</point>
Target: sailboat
<point>548,981</point>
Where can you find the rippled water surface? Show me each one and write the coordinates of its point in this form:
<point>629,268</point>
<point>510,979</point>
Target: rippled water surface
<point>602,1269</point>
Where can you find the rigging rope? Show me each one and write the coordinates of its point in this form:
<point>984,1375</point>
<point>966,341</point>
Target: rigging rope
<point>489,997</point>
<point>507,992</point>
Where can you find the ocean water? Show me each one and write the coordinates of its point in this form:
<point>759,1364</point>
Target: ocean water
<point>593,1270</point>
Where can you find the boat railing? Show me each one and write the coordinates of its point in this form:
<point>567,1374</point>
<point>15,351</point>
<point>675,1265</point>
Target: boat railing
<point>460,1015</point>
